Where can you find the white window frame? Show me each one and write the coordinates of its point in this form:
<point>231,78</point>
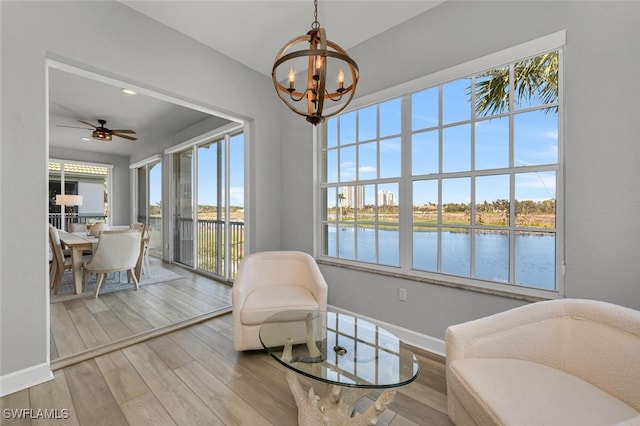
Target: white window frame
<point>109,178</point>
<point>551,42</point>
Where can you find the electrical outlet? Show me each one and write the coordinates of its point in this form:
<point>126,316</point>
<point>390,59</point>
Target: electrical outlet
<point>402,294</point>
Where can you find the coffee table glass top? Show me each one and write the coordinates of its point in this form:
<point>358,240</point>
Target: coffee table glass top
<point>338,349</point>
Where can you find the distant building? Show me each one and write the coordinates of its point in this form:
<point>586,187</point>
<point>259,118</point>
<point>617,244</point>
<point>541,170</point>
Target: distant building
<point>386,198</point>
<point>353,196</point>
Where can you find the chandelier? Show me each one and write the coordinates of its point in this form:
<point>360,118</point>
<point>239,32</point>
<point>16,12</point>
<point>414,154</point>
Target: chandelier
<point>323,59</point>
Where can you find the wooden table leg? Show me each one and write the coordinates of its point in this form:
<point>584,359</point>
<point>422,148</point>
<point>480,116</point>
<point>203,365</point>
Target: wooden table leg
<point>76,261</point>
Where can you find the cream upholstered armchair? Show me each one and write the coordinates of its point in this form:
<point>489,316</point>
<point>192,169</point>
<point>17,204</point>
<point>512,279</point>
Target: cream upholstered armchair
<point>559,362</point>
<point>270,282</point>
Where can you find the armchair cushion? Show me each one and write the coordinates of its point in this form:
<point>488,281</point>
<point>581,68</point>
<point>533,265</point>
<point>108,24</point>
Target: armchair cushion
<point>263,302</point>
<point>490,388</point>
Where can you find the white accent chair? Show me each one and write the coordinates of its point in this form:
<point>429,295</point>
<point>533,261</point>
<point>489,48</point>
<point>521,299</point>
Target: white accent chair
<point>116,251</point>
<point>560,362</point>
<point>269,282</point>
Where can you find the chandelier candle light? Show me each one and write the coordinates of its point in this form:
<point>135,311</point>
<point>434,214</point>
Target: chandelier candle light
<point>322,58</point>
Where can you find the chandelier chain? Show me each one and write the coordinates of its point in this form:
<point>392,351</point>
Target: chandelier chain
<point>315,24</point>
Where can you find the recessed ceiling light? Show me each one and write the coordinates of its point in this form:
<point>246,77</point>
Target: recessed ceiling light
<point>129,91</point>
<point>86,139</point>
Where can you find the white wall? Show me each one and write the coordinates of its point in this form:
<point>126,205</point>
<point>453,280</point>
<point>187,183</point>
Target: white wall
<point>602,101</point>
<point>132,48</point>
<point>92,198</point>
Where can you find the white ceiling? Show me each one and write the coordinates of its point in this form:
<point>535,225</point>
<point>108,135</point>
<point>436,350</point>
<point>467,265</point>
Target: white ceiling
<point>73,98</point>
<point>250,32</point>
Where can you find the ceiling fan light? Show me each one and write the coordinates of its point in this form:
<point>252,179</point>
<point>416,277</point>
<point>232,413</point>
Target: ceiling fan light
<point>129,92</point>
<point>101,135</point>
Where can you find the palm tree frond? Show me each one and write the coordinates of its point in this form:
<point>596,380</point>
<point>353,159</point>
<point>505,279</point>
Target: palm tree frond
<point>535,81</point>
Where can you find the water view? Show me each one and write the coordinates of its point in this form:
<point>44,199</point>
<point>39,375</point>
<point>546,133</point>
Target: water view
<point>534,253</point>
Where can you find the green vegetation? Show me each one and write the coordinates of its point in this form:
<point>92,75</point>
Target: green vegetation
<point>208,212</point>
<point>534,214</point>
<point>156,210</point>
<point>535,78</point>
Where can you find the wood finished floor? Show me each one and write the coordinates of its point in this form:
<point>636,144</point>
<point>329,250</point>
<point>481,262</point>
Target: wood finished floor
<point>86,323</point>
<point>194,377</point>
<point>187,377</point>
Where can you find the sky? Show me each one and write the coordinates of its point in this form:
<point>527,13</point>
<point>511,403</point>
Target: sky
<point>207,170</point>
<point>207,174</point>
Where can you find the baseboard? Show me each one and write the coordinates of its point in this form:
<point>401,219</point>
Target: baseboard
<point>22,379</point>
<point>421,341</point>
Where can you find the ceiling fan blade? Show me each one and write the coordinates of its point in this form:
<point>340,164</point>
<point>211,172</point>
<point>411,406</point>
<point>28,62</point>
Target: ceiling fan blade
<point>123,131</point>
<point>131,138</point>
<point>88,124</point>
<point>73,127</point>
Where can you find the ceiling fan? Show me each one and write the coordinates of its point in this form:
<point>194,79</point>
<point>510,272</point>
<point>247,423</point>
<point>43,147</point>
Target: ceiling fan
<point>102,133</point>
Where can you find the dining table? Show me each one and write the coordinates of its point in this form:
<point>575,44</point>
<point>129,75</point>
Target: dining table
<point>79,242</point>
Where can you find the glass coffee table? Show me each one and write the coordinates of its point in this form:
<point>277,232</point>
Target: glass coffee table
<point>348,355</point>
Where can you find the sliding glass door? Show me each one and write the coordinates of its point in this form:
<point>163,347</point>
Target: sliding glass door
<point>149,202</point>
<point>183,231</point>
<point>209,205</point>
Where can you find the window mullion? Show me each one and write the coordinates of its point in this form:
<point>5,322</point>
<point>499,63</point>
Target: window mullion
<point>512,180</point>
<point>440,170</point>
<point>405,203</point>
<point>472,201</point>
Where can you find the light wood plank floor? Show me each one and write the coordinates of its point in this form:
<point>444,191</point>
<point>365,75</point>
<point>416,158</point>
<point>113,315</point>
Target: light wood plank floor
<point>193,376</point>
<point>85,323</point>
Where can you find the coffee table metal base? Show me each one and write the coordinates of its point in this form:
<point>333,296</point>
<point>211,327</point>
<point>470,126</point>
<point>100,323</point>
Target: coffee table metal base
<point>334,405</point>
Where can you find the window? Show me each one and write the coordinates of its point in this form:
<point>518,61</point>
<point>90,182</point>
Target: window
<point>90,180</point>
<point>456,181</point>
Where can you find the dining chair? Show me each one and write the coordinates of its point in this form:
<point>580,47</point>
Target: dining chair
<point>116,251</point>
<point>59,263</point>
<point>146,235</point>
<point>98,227</point>
<point>138,226</point>
<point>78,227</point>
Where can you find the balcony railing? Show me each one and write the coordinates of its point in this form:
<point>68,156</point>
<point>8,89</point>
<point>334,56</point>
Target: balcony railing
<point>211,245</point>
<point>56,219</point>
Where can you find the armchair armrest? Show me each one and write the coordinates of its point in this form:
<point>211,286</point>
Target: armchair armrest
<point>529,332</point>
